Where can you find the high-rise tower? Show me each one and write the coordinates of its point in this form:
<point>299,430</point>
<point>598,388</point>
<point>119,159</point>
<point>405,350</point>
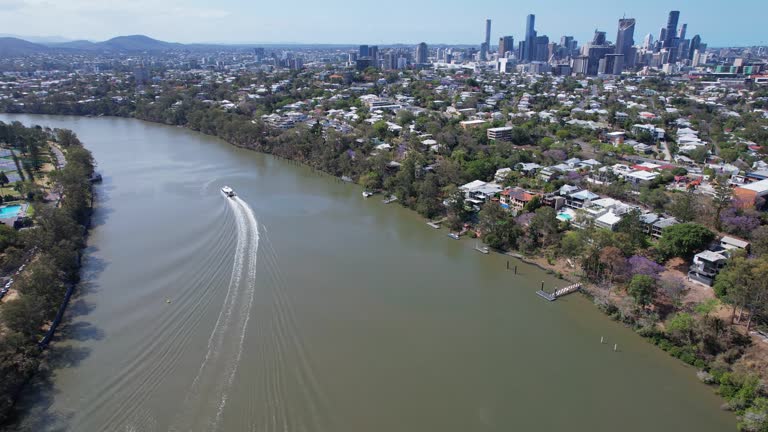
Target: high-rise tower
<point>488,32</point>
<point>530,38</point>
<point>421,53</point>
<point>625,40</point>
<point>671,31</point>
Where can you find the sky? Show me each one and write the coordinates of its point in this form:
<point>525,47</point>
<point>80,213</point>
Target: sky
<point>736,22</point>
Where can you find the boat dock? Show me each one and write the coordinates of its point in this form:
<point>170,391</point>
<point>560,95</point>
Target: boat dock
<point>559,293</point>
<point>391,199</point>
<point>433,225</point>
<point>482,249</point>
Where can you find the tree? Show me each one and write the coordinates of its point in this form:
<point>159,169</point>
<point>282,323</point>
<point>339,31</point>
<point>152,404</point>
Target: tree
<point>498,227</point>
<point>613,263</point>
<point>572,244</point>
<point>642,288</point>
<point>544,226</point>
<point>681,327</point>
<point>760,241</point>
<point>655,198</point>
<point>755,418</point>
<point>683,207</point>
<point>3,179</point>
<point>631,225</point>
<point>721,199</point>
<point>684,240</point>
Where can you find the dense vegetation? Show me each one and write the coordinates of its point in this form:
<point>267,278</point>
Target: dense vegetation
<point>52,249</point>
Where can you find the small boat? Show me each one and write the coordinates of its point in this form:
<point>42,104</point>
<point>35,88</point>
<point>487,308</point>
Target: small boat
<point>453,236</point>
<point>366,194</point>
<point>228,191</point>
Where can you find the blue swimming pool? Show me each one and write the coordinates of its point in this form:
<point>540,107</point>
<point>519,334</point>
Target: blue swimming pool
<point>8,212</point>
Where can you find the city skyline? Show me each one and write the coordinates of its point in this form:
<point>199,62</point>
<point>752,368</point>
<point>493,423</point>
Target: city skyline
<point>446,22</point>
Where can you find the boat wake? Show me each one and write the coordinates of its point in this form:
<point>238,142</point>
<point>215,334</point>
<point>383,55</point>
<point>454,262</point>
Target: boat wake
<point>207,397</point>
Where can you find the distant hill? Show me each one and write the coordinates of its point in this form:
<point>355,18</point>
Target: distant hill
<point>76,45</point>
<point>138,43</point>
<point>10,46</point>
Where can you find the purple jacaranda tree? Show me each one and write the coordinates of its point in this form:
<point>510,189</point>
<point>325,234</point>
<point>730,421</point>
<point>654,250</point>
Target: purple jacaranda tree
<point>555,154</point>
<point>640,265</point>
<point>739,222</point>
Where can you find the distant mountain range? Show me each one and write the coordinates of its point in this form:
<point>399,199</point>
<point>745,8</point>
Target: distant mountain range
<point>16,46</point>
<point>11,46</point>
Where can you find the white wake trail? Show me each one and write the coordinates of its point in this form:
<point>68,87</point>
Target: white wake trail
<point>206,398</point>
<point>250,291</point>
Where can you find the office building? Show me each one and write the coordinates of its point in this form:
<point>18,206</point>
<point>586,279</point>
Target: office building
<point>530,38</point>
<point>671,40</point>
<point>363,51</point>
<point>695,43</point>
<point>683,29</point>
<point>499,133</point>
<point>506,44</point>
<point>671,30</point>
<point>567,46</point>
<point>598,38</point>
<point>488,33</point>
<point>422,54</point>
<point>579,65</point>
<point>373,53</point>
<point>483,55</point>
<point>625,40</point>
<point>648,42</point>
<point>541,49</point>
<point>611,64</point>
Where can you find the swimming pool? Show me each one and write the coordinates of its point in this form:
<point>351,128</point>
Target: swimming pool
<point>8,212</point>
<point>564,216</point>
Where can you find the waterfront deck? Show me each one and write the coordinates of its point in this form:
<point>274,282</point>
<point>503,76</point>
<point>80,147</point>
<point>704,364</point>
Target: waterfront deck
<point>559,293</point>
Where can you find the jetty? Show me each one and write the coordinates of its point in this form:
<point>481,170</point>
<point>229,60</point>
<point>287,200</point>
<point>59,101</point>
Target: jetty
<point>558,293</point>
<point>391,199</point>
<point>482,249</point>
<point>433,225</point>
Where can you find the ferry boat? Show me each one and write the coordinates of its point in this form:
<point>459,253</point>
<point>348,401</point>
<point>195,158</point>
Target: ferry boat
<point>228,191</point>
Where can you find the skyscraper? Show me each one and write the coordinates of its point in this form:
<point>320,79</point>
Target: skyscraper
<point>695,45</point>
<point>648,41</point>
<point>671,30</point>
<point>598,38</point>
<point>541,49</point>
<point>422,53</point>
<point>530,38</point>
<point>506,44</point>
<point>373,53</point>
<point>625,40</point>
<point>488,33</point>
<point>683,29</point>
<point>363,52</point>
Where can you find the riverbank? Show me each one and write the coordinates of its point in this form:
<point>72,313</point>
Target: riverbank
<point>51,273</point>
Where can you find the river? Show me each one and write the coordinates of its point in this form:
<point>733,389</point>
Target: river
<point>301,306</point>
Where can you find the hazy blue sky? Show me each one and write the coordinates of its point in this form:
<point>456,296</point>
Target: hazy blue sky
<point>735,22</point>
